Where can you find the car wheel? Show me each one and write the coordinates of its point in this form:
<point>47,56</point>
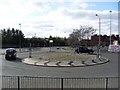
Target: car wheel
<point>7,58</point>
<point>89,52</point>
<point>14,58</point>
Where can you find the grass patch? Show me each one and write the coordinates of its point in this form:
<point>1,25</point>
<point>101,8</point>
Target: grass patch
<point>51,51</point>
<point>68,48</point>
<point>71,57</point>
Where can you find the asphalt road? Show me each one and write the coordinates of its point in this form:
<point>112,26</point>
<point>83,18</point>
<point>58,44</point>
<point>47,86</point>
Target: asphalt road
<point>20,69</point>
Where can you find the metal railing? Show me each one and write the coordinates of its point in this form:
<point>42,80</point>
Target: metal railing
<point>55,83</point>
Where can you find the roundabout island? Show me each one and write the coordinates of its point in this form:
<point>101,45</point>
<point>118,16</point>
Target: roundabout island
<point>64,58</point>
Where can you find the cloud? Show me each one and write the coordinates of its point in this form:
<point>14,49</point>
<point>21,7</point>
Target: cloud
<point>57,18</point>
<point>43,25</point>
<point>86,5</point>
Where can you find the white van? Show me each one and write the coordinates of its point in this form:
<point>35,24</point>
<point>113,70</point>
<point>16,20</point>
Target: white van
<point>114,48</point>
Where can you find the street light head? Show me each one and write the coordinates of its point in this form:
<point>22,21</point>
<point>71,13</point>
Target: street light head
<point>96,15</point>
<point>110,11</point>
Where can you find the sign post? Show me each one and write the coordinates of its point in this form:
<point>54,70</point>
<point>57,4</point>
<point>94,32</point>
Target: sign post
<point>30,51</point>
<point>51,42</point>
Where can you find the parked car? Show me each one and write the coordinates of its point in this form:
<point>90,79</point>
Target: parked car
<point>82,49</point>
<point>10,54</point>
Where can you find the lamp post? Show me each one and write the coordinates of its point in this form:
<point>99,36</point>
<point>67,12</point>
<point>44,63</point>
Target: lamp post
<point>110,26</point>
<point>99,35</point>
<point>20,39</point>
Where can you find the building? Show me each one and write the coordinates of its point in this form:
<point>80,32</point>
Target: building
<point>105,40</point>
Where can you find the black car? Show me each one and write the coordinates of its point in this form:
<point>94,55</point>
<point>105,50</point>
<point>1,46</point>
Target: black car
<point>84,50</point>
<point>10,54</point>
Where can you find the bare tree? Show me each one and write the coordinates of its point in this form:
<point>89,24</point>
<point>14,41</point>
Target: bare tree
<point>89,31</point>
<point>84,32</point>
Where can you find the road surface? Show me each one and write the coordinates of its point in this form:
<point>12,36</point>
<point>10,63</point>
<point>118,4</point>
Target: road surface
<point>20,69</point>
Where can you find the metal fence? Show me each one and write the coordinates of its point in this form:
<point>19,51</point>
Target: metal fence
<point>54,83</point>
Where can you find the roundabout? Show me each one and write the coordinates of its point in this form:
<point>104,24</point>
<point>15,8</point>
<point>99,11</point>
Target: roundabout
<point>23,65</point>
<point>64,58</point>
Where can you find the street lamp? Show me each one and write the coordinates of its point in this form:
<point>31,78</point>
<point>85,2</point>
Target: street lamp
<point>99,34</point>
<point>110,26</point>
<point>20,39</point>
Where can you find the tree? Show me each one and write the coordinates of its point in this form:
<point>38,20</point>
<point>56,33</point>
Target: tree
<point>84,32</point>
<point>12,37</point>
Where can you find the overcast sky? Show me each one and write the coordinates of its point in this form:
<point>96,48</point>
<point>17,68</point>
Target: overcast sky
<point>43,18</point>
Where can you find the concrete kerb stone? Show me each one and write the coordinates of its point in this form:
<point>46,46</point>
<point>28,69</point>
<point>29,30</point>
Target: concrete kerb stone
<point>42,63</point>
<point>32,61</point>
<point>78,64</point>
<point>48,63</point>
<point>53,63</point>
<point>89,63</point>
<point>58,63</point>
<point>101,60</point>
<point>64,63</point>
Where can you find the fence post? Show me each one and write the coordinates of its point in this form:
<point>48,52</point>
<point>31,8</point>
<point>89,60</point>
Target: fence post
<point>106,83</point>
<point>18,83</point>
<point>61,83</point>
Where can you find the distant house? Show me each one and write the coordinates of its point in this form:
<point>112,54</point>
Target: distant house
<point>105,40</point>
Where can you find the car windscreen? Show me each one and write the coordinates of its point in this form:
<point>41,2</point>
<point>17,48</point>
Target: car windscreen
<point>11,51</point>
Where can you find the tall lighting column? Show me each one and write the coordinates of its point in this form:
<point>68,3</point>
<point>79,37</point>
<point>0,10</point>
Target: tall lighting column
<point>20,39</point>
<point>99,35</point>
<point>110,27</point>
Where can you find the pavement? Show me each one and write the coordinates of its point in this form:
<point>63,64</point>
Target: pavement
<point>63,63</point>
